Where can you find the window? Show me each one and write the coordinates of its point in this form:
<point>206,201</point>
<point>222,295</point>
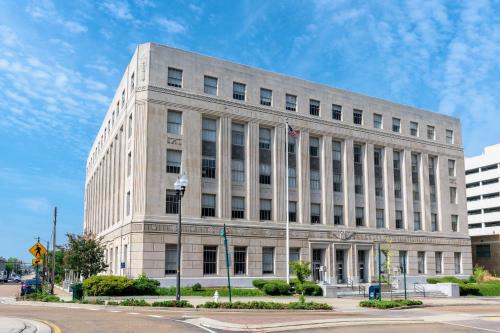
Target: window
<point>208,147</point>
<point>174,158</point>
<point>449,137</point>
<point>208,205</point>
<point>377,121</point>
<point>358,117</point>
<point>414,177</point>
<point>489,167</point>
<point>237,153</point>
<point>432,179</point>
<point>239,91</point>
<point>413,128</point>
<point>399,219</point>
<point>291,102</point>
<point>315,213</point>
<point>475,226</point>
<point>125,255</point>
<point>489,181</point>
<point>338,215</point>
<point>483,251</point>
<point>360,218</point>
<point>336,112</point>
<point>174,77</point>
<point>132,82</point>
<point>294,254</point>
<point>457,262</point>
<point>337,166</point>
<point>476,198</point>
<point>470,185</point>
<point>240,260</point>
<point>292,162</point>
<point>439,262</point>
<point>292,211</point>
<point>172,204</point>
<point>315,178</point>
<point>474,212</point>
<point>396,162</point>
<point>431,135</point>
<point>491,210</point>
<point>210,85</point>
<point>434,222</point>
<point>266,96</point>
<point>453,195</point>
<point>421,262</point>
<point>265,156</point>
<point>268,260</point>
<point>265,209</point>
<point>403,262</point>
<point>454,223</point>
<point>471,171</point>
<point>417,223</point>
<point>209,259</point>
<point>358,169</point>
<point>123,97</point>
<point>485,196</point>
<point>129,164</point>
<point>238,208</point>
<point>380,218</point>
<point>129,126</point>
<point>170,259</point>
<point>314,107</point>
<point>379,178</point>
<point>128,203</point>
<point>451,168</point>
<point>396,125</point>
<point>174,122</point>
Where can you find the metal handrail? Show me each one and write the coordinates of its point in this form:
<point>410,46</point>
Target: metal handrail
<point>361,288</point>
<point>418,288</point>
<point>350,283</point>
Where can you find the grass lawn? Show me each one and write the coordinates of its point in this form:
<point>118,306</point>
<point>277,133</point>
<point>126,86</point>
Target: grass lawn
<point>488,288</point>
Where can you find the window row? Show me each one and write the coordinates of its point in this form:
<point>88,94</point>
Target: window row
<point>484,211</point>
<point>482,169</point>
<point>484,196</point>
<point>484,182</point>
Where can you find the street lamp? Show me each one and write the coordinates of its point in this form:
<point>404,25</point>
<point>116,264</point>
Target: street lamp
<point>180,187</point>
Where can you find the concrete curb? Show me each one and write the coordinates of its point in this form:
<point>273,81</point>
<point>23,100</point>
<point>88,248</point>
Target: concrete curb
<point>15,325</point>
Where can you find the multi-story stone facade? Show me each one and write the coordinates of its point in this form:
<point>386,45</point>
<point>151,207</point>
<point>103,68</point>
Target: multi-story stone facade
<point>362,171</point>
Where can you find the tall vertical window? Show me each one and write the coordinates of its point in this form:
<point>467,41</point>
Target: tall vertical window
<point>396,162</point>
<point>265,209</point>
<point>338,215</point>
<point>377,120</point>
<point>315,213</point>
<point>268,260</point>
<point>360,216</point>
<point>337,166</point>
<point>174,122</point>
<point>129,164</point>
<point>454,223</point>
<point>266,96</point>
<point>336,112</point>
<point>292,162</point>
<point>128,203</point>
<point>431,134</point>
<point>292,211</point>
<point>209,260</point>
<point>399,219</point>
<point>210,85</point>
<point>358,117</point>
<point>314,163</point>
<point>417,222</point>
<point>240,260</point>
<point>358,169</point>
<point>291,102</point>
<point>432,179</point>
<point>265,156</point>
<point>208,205</point>
<point>451,168</point>
<point>453,195</point>
<point>380,218</point>
<point>449,137</point>
<point>172,205</point>
<point>314,107</point>
<point>174,77</point>
<point>239,90</point>
<point>294,254</point>
<point>125,255</point>
<point>414,177</point>
<point>237,153</point>
<point>439,262</point>
<point>434,222</point>
<point>403,261</point>
<point>413,128</point>
<point>123,97</point>
<point>378,166</point>
<point>132,82</point>
<point>208,147</point>
<point>457,256</point>
<point>421,262</point>
<point>130,125</point>
<point>237,208</point>
<point>174,158</point>
<point>170,259</point>
<point>396,125</point>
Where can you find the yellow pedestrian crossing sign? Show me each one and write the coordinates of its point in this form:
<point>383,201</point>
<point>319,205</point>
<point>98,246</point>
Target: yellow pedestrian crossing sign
<point>37,261</point>
<point>38,250</point>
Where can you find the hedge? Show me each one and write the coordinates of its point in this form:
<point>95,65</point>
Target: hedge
<point>189,291</point>
<point>173,304</point>
<point>279,287</point>
<point>445,279</point>
<point>276,288</point>
<point>466,288</point>
<point>104,285</point>
<point>386,304</point>
<point>134,302</point>
<point>267,305</point>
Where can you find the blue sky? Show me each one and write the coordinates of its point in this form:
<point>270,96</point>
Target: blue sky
<point>60,62</point>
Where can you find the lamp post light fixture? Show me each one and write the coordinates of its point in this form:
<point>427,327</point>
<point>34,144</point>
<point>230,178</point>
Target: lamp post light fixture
<point>180,187</point>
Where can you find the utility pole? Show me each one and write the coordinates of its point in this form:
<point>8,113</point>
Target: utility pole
<point>46,266</point>
<point>52,277</point>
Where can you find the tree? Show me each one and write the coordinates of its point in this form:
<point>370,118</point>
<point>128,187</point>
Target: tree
<point>13,265</point>
<point>59,266</point>
<point>302,270</point>
<point>85,255</point>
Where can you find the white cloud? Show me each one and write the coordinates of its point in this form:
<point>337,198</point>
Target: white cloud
<point>195,9</point>
<point>75,27</point>
<point>8,37</point>
<point>118,9</point>
<point>46,10</point>
<point>36,205</point>
<point>170,26</point>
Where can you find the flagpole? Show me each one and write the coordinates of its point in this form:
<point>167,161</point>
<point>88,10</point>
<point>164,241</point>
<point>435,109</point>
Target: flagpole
<point>287,204</point>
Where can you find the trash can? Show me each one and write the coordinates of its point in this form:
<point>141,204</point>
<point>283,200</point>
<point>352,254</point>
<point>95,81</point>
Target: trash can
<point>374,292</point>
<point>77,289</point>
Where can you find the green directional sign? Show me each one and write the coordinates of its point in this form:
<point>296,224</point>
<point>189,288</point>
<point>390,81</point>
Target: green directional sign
<point>222,232</point>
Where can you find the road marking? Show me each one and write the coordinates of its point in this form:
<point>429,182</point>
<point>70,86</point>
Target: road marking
<point>470,326</point>
<point>54,327</point>
<point>133,313</point>
<point>197,325</point>
<point>114,311</point>
<point>155,316</point>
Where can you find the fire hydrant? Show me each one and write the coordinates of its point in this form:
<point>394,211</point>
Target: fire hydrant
<point>216,296</point>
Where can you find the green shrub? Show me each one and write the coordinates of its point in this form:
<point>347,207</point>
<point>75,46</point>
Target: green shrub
<point>188,291</point>
<point>469,290</point>
<point>96,302</point>
<point>259,283</point>
<point>266,305</point>
<point>312,289</point>
<point>197,287</point>
<point>144,286</point>
<point>387,304</point>
<point>43,296</point>
<point>479,274</point>
<point>134,302</point>
<point>104,285</point>
<point>173,304</point>
<point>113,303</point>
<point>445,279</point>
<point>275,288</point>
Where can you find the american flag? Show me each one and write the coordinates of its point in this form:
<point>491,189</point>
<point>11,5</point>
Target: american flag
<point>293,133</point>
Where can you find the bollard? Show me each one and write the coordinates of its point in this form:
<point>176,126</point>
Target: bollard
<point>216,296</point>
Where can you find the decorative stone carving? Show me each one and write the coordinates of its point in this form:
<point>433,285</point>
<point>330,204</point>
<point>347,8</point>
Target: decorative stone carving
<point>174,141</point>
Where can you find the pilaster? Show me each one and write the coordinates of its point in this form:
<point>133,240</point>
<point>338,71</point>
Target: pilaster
<point>389,205</point>
<point>224,167</point>
<point>348,182</point>
<point>304,198</point>
<point>326,181</point>
<point>252,171</point>
<point>369,187</point>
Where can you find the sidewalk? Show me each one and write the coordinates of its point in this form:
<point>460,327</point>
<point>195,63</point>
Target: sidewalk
<point>17,325</point>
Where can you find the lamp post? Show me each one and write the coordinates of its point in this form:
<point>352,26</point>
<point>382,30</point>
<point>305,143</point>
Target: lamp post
<point>180,187</point>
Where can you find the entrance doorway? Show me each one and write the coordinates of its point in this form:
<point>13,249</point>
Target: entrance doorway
<point>340,268</point>
<point>317,262</point>
<point>362,267</point>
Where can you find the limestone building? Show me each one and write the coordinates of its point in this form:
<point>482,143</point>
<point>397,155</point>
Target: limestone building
<point>362,171</point>
<point>482,175</point>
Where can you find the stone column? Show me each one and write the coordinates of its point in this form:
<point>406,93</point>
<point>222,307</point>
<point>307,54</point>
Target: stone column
<point>279,177</point>
<point>252,171</point>
<point>444,220</point>
<point>407,191</point>
<point>223,164</point>
<point>390,207</point>
<point>348,183</point>
<point>303,181</point>
<point>369,187</point>
<point>355,275</point>
<point>425,199</point>
<point>326,181</point>
<point>191,161</point>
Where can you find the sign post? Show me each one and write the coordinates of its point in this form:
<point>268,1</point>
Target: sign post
<point>224,234</point>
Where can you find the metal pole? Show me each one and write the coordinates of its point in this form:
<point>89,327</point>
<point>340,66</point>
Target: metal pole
<point>178,282</point>
<point>52,278</point>
<point>379,274</point>
<point>287,204</point>
<point>46,264</point>
<point>404,273</point>
<point>227,264</point>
